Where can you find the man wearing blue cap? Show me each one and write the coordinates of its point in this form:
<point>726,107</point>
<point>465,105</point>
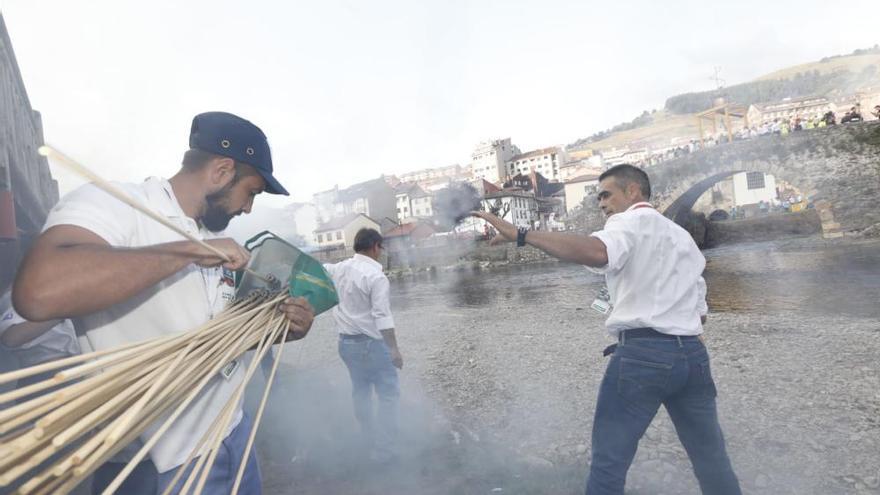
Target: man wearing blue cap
<point>127,278</point>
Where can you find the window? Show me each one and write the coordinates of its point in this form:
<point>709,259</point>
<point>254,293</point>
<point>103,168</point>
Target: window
<point>338,235</point>
<point>320,238</point>
<point>755,180</point>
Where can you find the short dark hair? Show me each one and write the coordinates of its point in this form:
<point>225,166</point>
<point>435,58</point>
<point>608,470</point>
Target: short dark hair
<point>626,174</point>
<point>365,239</point>
<point>195,159</point>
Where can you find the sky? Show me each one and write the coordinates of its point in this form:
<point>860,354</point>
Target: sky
<point>348,90</point>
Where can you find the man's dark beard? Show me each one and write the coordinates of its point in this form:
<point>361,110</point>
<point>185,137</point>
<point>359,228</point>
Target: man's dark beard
<point>216,218</point>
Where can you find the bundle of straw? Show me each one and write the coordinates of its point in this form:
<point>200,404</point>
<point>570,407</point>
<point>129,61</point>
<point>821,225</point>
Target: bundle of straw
<point>104,400</point>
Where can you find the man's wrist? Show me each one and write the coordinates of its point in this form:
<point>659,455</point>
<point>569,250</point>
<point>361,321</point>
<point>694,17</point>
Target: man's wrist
<point>521,236</point>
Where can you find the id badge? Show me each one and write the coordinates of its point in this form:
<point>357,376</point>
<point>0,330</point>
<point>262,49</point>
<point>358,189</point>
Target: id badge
<point>602,303</point>
<point>227,371</point>
<point>601,306</point>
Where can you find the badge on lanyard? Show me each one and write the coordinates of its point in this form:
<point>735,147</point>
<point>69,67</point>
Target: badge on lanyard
<point>229,369</point>
<point>602,303</point>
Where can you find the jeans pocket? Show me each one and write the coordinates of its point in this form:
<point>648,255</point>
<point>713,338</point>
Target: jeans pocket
<point>707,384</point>
<point>642,382</point>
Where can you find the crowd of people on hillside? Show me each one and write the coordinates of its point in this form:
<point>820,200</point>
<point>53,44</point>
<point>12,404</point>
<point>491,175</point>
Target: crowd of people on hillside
<point>779,126</point>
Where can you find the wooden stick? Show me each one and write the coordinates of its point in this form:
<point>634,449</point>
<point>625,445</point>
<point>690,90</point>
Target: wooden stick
<point>270,336</point>
<point>62,363</point>
<point>259,416</point>
<point>130,378</point>
<point>230,352</point>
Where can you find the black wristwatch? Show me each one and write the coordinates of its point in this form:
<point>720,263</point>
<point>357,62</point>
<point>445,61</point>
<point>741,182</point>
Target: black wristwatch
<point>521,236</point>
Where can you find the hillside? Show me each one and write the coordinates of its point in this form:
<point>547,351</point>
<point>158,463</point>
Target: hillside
<point>850,63</point>
<point>831,76</point>
<point>663,127</point>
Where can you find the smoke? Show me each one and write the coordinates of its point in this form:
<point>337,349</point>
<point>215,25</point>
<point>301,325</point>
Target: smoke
<point>452,204</point>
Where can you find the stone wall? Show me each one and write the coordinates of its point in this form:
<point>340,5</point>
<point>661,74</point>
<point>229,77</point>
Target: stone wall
<point>837,167</point>
<point>21,168</point>
<point>763,228</point>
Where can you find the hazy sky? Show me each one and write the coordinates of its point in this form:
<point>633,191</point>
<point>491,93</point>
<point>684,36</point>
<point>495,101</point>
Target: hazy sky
<point>346,90</point>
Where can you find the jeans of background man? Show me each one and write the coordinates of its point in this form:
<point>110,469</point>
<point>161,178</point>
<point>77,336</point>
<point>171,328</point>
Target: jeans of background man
<point>145,480</point>
<point>642,374</point>
<point>369,365</point>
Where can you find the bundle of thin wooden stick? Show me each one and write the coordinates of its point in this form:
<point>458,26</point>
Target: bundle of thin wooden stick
<point>100,402</point>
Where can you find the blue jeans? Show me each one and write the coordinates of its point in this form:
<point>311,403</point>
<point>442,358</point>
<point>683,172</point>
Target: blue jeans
<point>369,364</point>
<point>642,374</point>
<point>145,480</point>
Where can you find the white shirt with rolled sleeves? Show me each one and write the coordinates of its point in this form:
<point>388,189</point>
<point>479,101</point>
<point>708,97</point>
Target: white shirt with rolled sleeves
<point>364,297</point>
<point>654,273</point>
<point>57,343</point>
<point>177,304</point>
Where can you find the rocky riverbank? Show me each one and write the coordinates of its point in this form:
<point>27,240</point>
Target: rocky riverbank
<point>502,368</point>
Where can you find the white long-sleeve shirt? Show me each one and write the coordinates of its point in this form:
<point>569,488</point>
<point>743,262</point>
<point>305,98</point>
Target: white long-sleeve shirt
<point>654,273</point>
<point>364,297</point>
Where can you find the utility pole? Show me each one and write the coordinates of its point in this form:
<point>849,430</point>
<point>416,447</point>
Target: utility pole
<point>719,83</point>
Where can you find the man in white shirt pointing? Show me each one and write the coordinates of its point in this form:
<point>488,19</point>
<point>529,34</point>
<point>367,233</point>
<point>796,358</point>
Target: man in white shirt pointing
<point>653,270</point>
<point>367,344</point>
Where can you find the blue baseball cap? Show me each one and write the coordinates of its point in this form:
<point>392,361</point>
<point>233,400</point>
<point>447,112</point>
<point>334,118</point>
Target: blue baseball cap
<point>231,136</point>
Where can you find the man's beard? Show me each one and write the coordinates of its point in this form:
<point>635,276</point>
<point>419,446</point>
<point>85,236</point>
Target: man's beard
<point>216,218</point>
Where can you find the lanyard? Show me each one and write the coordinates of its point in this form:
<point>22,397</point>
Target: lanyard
<point>641,204</point>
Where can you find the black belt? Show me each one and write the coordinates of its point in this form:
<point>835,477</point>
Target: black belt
<point>648,333</point>
<point>359,336</point>
<point>642,333</point>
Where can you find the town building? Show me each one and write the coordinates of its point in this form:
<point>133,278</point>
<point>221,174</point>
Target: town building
<point>513,205</point>
<point>374,198</point>
<point>545,161</point>
<point>454,172</point>
<point>340,231</point>
<point>808,107</point>
<point>578,188</point>
<point>412,203</point>
<point>753,187</point>
<point>489,159</point>
<point>582,166</point>
<point>407,236</point>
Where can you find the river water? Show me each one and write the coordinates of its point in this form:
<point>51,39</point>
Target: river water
<point>808,275</point>
<point>502,367</point>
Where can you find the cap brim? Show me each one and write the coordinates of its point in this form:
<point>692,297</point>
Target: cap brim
<point>272,184</point>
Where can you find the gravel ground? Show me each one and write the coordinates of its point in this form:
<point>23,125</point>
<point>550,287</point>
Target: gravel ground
<point>501,373</point>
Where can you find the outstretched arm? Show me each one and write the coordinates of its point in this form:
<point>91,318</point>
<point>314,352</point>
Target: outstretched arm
<point>574,248</point>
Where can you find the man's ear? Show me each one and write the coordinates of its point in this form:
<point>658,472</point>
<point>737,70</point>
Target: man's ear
<point>633,190</point>
<point>221,171</point>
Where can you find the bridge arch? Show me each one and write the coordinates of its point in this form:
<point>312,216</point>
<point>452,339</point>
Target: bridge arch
<point>838,168</point>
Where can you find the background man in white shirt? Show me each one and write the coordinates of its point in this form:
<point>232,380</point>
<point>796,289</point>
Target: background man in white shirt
<point>35,343</point>
<point>367,344</point>
<point>653,270</point>
<point>128,278</point>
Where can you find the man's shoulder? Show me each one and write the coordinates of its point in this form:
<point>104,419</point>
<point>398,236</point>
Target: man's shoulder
<point>91,193</point>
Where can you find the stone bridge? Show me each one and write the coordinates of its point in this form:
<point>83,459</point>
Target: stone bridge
<point>837,168</point>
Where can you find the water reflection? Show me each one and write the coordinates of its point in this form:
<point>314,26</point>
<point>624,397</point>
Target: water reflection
<point>808,275</point>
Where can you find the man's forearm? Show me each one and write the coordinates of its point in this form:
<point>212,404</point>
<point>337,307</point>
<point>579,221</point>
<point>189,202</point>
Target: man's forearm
<point>21,333</point>
<point>389,338</point>
<point>573,248</point>
<point>81,279</point>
